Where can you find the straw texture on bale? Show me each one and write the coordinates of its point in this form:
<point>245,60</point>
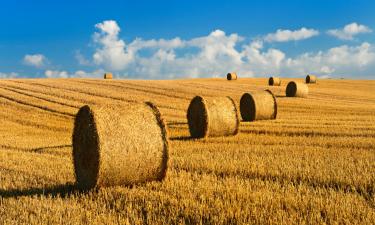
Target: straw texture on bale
<point>260,105</point>
<point>297,89</point>
<point>108,76</point>
<point>119,145</point>
<point>274,81</point>
<point>311,79</point>
<point>212,117</point>
<point>232,76</point>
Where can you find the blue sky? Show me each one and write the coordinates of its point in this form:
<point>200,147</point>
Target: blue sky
<point>177,39</point>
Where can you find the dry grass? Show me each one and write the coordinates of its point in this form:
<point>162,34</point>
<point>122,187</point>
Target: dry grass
<point>314,164</point>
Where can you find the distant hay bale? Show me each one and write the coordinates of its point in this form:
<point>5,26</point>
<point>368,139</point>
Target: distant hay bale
<point>260,105</point>
<point>274,81</point>
<point>118,145</point>
<point>311,79</point>
<point>212,117</point>
<point>297,89</point>
<point>232,76</point>
<point>108,76</point>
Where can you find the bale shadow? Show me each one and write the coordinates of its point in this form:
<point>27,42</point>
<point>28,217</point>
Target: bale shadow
<point>177,123</point>
<point>281,96</point>
<point>183,138</point>
<point>63,191</point>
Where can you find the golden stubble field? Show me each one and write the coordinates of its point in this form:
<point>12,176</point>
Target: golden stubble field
<point>314,164</point>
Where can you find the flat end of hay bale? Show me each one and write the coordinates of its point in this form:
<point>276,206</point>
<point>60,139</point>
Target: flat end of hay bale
<point>86,149</point>
<point>247,107</point>
<point>291,89</point>
<point>270,81</point>
<point>197,116</point>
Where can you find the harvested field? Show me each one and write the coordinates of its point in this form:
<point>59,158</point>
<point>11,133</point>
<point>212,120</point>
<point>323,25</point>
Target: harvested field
<point>314,164</point>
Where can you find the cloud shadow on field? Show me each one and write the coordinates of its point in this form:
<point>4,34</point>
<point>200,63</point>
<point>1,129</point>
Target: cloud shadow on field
<point>63,190</point>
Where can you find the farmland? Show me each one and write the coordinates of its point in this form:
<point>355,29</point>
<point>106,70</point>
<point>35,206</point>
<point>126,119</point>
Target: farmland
<point>314,164</point>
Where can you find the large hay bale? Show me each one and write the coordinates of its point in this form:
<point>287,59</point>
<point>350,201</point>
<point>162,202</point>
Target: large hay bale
<point>119,145</point>
<point>214,116</point>
<point>232,76</point>
<point>260,105</point>
<point>297,89</point>
<point>274,81</point>
<point>108,76</point>
<point>311,79</point>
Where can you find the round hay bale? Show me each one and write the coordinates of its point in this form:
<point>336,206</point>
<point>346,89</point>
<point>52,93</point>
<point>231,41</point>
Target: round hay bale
<point>260,105</point>
<point>274,81</point>
<point>108,76</point>
<point>311,79</point>
<point>212,117</point>
<point>232,76</point>
<point>296,89</point>
<point>117,145</point>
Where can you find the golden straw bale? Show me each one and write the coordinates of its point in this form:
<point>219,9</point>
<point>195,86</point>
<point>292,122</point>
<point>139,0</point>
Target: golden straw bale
<point>297,89</point>
<point>108,76</point>
<point>260,105</point>
<point>119,145</point>
<point>214,116</point>
<point>274,81</point>
<point>232,76</point>
<point>311,79</point>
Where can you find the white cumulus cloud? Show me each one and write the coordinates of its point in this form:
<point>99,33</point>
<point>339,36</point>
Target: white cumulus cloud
<point>81,59</point>
<point>349,31</point>
<point>289,35</point>
<point>8,75</point>
<point>341,60</point>
<point>84,74</point>
<point>111,52</point>
<point>56,74</point>
<point>217,53</point>
<point>36,60</point>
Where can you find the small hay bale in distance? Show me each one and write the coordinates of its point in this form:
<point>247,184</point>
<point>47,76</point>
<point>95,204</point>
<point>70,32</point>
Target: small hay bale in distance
<point>297,89</point>
<point>119,145</point>
<point>232,76</point>
<point>259,105</point>
<point>274,81</point>
<point>108,76</point>
<point>311,79</point>
<point>212,117</point>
